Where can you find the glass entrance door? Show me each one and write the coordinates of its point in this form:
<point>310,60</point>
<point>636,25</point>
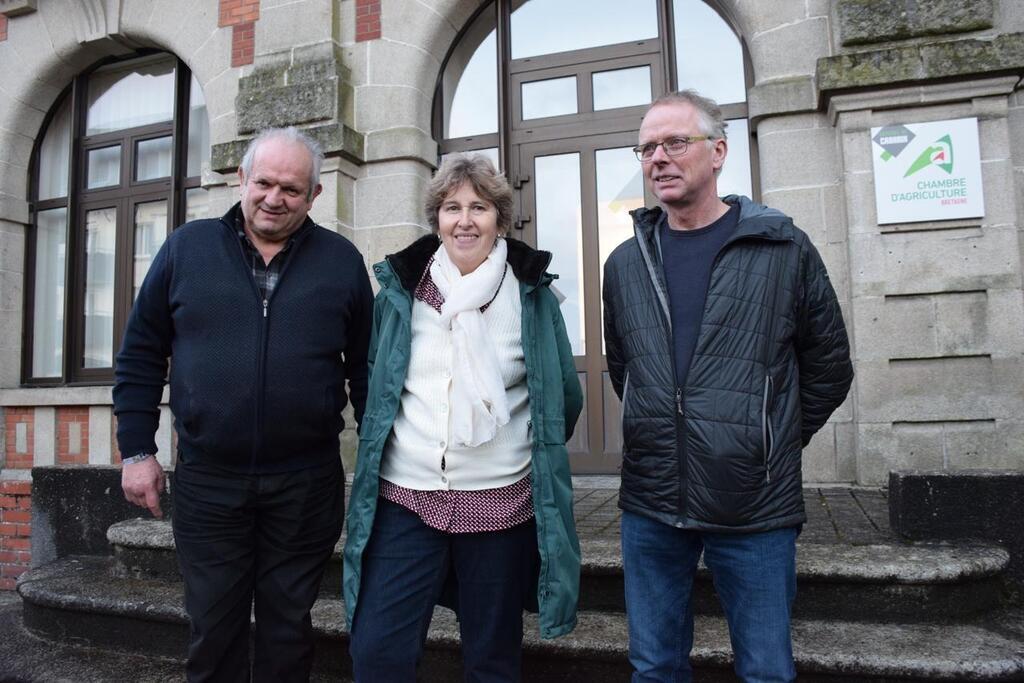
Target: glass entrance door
<point>576,195</point>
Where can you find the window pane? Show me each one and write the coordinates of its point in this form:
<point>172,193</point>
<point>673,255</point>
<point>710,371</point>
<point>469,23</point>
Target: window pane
<point>104,167</point>
<point>48,306</point>
<point>131,94</point>
<point>197,204</point>
<point>620,189</point>
<point>150,233</point>
<point>541,27</point>
<point>700,33</point>
<point>153,159</point>
<point>560,231</point>
<point>735,175</point>
<point>100,230</point>
<point>470,86</point>
<point>622,88</point>
<point>54,154</point>
<point>553,97</point>
<point>198,131</point>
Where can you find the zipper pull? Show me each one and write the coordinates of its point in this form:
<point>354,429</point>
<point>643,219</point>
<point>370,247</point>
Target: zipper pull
<point>679,401</point>
<point>265,304</point>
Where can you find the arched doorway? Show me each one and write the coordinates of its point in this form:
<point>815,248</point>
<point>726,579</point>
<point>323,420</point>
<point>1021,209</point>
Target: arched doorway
<point>554,92</point>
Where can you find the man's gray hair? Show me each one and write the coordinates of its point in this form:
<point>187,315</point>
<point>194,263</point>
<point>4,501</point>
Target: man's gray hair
<point>712,122</point>
<point>291,134</point>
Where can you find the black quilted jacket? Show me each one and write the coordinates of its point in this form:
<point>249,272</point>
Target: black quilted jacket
<point>772,362</point>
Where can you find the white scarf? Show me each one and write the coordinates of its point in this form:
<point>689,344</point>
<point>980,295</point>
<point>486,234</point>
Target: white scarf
<point>479,406</point>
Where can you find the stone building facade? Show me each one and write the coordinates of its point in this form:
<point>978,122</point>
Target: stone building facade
<point>935,309</point>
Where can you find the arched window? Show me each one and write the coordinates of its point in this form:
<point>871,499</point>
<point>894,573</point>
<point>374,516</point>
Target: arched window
<point>118,165</point>
<point>555,90</point>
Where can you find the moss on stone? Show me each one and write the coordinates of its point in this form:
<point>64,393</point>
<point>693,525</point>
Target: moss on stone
<point>863,22</point>
<point>927,61</point>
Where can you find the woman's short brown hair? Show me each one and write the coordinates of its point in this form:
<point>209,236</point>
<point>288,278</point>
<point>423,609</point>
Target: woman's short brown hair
<point>478,171</point>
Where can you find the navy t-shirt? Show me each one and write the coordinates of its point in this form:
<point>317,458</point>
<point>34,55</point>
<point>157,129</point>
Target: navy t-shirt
<point>688,256</point>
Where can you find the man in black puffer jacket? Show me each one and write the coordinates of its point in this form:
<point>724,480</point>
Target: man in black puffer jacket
<point>727,347</point>
<point>266,317</point>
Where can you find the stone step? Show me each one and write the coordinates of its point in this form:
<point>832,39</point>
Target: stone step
<point>74,599</point>
<point>856,582</point>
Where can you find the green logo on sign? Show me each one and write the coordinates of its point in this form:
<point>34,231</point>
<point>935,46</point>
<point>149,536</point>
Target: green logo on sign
<point>940,154</point>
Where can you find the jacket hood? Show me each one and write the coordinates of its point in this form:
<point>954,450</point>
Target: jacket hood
<point>756,220</point>
<point>529,265</point>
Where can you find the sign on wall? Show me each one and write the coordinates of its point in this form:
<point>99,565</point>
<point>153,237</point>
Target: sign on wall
<point>927,171</point>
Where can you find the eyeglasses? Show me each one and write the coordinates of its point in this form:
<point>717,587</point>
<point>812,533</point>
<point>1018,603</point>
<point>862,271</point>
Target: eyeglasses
<point>674,147</point>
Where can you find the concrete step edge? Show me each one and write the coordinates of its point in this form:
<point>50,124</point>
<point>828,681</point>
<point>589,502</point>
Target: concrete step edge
<point>918,563</point>
<point>950,651</point>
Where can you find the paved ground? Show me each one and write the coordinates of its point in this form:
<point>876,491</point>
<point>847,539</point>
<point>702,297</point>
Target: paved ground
<point>856,516</point>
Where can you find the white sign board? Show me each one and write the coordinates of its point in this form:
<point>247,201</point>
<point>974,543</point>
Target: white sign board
<point>927,171</point>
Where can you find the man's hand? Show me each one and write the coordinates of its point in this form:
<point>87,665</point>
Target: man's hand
<point>142,483</point>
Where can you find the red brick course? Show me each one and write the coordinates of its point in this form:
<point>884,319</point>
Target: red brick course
<point>367,20</point>
<point>3,27</point>
<point>67,416</point>
<point>12,417</point>
<point>115,452</point>
<point>15,531</point>
<point>243,44</point>
<point>234,12</point>
<point>241,16</point>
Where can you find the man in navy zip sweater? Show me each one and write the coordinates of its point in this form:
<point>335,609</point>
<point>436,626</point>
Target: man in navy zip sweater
<point>266,317</point>
<point>726,344</point>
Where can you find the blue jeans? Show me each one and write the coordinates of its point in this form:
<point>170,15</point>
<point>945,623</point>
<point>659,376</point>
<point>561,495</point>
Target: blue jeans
<point>755,578</point>
<point>407,565</point>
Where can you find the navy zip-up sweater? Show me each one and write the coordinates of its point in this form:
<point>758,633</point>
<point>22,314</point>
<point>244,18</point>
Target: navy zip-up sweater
<point>256,386</point>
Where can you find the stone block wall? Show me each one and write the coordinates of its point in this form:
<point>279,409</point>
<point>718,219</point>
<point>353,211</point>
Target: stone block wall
<point>936,308</point>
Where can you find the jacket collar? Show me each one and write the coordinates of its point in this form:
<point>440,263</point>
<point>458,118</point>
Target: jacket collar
<point>755,221</point>
<point>529,265</point>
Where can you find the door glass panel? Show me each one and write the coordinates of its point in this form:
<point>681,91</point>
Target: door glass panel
<point>197,204</point>
<point>54,155</point>
<point>153,159</point>
<point>131,94</point>
<point>735,175</point>
<point>551,97</point>
<point>541,27</point>
<point>198,130</point>
<point>709,58</point>
<point>560,231</point>
<point>48,293</point>
<point>470,85</point>
<point>150,233</point>
<point>100,231</point>
<point>620,189</point>
<point>622,88</point>
<point>104,169</point>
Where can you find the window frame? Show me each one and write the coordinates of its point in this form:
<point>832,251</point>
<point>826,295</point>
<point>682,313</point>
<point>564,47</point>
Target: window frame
<point>510,74</point>
<point>79,200</point>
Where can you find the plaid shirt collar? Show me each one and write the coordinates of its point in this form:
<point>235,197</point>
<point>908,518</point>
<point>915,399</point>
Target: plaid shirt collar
<point>265,274</point>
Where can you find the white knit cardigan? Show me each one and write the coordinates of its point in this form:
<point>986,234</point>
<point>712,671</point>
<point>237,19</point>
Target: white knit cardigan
<point>419,439</point>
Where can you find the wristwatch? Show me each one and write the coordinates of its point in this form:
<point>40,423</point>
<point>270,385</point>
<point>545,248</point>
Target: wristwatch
<point>132,459</point>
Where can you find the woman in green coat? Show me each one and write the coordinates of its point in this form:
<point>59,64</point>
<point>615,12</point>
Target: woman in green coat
<point>462,493</point>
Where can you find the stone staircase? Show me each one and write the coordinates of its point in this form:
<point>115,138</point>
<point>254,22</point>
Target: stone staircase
<point>878,611</point>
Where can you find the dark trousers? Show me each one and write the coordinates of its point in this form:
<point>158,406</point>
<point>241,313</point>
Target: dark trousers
<point>254,539</point>
<point>405,567</point>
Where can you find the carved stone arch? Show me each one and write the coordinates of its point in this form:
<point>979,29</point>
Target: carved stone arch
<point>86,32</point>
